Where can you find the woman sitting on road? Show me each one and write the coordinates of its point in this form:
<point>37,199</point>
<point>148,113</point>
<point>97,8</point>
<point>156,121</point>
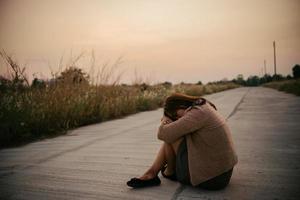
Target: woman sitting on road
<point>197,148</point>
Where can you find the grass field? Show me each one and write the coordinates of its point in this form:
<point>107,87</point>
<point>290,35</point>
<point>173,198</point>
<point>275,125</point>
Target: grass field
<point>31,113</point>
<point>37,110</point>
<point>289,86</point>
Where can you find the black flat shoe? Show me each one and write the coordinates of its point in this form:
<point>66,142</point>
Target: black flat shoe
<point>139,183</point>
<point>171,177</point>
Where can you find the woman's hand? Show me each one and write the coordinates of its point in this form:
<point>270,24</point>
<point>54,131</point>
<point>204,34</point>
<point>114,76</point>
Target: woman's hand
<point>165,120</point>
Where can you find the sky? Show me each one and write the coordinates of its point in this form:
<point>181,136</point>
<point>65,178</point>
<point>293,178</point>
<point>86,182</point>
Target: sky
<point>157,40</point>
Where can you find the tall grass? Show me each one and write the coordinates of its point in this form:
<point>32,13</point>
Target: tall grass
<point>289,86</point>
<point>28,113</point>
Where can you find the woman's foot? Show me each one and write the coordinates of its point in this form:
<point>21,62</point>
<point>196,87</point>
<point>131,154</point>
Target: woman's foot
<point>150,178</point>
<point>148,175</point>
<point>139,183</point>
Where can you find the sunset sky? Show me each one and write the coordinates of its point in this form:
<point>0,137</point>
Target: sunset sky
<point>171,40</point>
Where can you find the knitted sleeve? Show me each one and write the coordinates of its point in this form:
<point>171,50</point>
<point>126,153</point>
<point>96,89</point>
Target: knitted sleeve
<point>193,120</point>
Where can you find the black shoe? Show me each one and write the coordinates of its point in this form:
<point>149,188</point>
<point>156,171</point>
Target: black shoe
<point>172,177</point>
<point>139,183</point>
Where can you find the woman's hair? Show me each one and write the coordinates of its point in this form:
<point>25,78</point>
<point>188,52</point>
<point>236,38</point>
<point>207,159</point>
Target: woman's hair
<point>181,101</point>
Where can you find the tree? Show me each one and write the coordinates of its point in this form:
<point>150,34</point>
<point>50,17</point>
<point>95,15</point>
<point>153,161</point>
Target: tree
<point>277,77</point>
<point>289,77</point>
<point>253,81</point>
<point>73,75</point>
<point>240,79</point>
<point>296,71</point>
<point>199,83</point>
<point>167,84</point>
<point>266,78</point>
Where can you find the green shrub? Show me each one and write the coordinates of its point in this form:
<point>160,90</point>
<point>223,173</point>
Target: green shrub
<point>290,86</point>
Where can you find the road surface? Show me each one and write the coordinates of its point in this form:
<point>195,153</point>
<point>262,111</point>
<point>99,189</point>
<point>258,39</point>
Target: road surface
<point>94,162</point>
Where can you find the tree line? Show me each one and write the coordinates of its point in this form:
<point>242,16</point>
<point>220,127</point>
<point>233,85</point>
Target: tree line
<point>256,80</point>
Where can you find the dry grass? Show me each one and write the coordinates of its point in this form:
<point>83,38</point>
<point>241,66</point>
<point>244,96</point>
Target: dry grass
<point>39,113</point>
<point>199,90</point>
<point>29,113</point>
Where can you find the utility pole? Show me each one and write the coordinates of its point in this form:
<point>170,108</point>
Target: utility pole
<point>274,46</point>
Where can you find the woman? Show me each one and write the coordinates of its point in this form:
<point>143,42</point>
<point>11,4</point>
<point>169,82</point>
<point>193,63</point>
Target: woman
<point>197,148</point>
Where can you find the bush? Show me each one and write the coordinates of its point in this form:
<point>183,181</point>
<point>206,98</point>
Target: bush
<point>290,86</point>
<point>296,71</point>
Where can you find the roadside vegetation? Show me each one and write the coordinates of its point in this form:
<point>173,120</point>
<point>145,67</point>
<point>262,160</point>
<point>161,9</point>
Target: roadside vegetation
<point>47,108</point>
<point>289,83</point>
<point>289,86</point>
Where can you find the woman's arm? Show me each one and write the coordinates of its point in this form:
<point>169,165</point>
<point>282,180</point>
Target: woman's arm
<point>192,120</point>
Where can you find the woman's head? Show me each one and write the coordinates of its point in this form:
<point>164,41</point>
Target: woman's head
<point>177,103</point>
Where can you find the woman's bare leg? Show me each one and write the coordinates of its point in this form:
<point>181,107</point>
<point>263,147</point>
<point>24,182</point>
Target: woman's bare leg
<point>166,155</point>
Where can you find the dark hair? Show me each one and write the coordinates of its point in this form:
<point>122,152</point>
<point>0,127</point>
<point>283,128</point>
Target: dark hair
<point>181,101</point>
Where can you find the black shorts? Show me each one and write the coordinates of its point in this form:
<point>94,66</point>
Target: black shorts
<point>183,175</point>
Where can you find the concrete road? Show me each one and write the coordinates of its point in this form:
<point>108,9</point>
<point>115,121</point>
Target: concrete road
<point>94,162</point>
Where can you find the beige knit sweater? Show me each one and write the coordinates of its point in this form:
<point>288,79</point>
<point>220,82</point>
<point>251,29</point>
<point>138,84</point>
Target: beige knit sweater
<point>209,143</point>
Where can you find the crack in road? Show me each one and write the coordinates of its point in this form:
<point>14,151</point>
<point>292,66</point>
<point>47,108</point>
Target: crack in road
<point>238,105</point>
